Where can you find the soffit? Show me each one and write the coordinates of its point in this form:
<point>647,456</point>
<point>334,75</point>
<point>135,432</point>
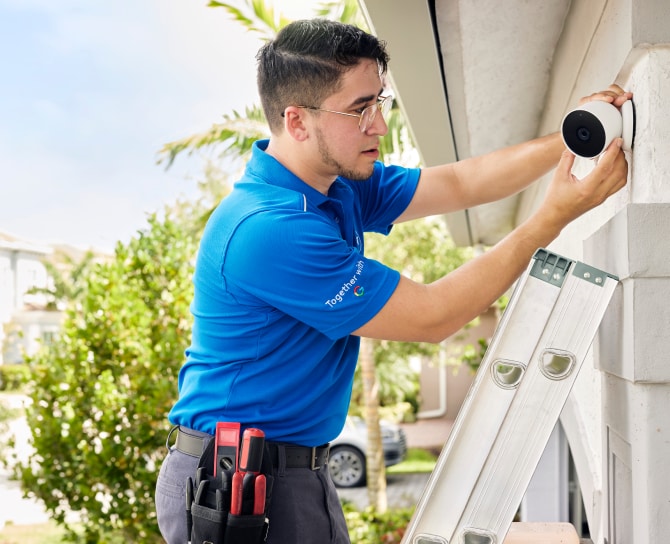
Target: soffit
<point>471,76</point>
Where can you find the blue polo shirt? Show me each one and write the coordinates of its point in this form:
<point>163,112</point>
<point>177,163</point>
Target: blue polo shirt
<point>280,283</point>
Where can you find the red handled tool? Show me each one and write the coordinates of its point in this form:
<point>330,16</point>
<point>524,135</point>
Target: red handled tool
<point>236,494</point>
<point>227,442</point>
<point>259,495</point>
<point>251,457</point>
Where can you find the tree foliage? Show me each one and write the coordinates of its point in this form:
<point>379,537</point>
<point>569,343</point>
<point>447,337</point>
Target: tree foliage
<point>233,137</point>
<point>64,272</point>
<point>101,393</point>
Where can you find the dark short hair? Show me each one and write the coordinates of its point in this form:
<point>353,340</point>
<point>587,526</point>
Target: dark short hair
<point>305,62</point>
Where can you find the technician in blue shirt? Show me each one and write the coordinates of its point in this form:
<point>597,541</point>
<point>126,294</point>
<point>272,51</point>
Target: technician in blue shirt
<point>283,290</point>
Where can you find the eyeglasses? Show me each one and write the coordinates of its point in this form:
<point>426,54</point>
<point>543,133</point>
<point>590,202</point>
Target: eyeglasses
<point>367,115</point>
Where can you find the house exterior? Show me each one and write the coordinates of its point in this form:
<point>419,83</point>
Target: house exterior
<point>475,75</point>
<point>24,323</point>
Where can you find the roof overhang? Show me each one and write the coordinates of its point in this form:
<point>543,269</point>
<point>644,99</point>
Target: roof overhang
<point>470,77</point>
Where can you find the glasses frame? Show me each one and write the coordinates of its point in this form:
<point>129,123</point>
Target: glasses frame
<point>383,104</point>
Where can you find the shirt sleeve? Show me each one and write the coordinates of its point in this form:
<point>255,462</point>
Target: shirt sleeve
<point>315,277</point>
<point>386,195</point>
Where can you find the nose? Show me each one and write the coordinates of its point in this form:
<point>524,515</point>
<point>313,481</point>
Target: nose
<point>378,126</point>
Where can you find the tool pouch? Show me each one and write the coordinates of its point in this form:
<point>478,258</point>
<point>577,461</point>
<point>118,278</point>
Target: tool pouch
<point>209,514</point>
<point>246,529</point>
<point>209,525</point>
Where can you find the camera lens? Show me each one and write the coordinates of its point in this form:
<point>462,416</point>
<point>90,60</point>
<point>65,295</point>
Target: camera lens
<point>583,134</point>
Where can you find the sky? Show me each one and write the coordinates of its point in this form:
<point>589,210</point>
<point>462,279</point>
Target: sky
<point>90,91</point>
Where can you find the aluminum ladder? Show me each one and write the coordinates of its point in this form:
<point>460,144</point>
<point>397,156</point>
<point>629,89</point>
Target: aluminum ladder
<point>513,404</point>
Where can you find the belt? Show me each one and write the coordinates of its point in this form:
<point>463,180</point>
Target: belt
<point>296,456</point>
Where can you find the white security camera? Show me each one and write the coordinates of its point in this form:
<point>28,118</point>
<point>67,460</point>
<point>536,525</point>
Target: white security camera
<point>589,129</point>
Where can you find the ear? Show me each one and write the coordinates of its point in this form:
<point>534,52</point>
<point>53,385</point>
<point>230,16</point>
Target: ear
<point>296,123</point>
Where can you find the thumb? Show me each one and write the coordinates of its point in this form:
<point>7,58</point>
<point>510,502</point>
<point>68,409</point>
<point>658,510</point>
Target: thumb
<point>564,167</point>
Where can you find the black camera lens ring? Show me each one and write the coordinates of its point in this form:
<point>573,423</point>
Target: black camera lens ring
<point>576,125</point>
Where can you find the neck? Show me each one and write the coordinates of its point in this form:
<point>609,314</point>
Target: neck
<point>297,161</point>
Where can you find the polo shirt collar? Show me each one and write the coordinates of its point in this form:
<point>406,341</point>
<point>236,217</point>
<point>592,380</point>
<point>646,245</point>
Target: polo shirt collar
<point>272,172</point>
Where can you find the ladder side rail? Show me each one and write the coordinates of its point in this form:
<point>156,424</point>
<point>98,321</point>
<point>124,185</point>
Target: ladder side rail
<point>480,417</point>
<point>535,410</point>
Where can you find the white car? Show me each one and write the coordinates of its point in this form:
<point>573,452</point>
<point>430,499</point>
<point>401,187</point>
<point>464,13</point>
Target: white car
<point>347,452</point>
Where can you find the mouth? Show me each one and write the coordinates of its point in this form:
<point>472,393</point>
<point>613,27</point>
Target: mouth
<point>372,152</point>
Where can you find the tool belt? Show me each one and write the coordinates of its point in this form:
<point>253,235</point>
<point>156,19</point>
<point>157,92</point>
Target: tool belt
<point>232,506</point>
<point>296,456</point>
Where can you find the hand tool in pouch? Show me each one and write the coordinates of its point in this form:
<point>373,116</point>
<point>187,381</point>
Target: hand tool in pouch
<point>259,495</point>
<point>251,457</point>
<point>189,503</point>
<point>227,439</point>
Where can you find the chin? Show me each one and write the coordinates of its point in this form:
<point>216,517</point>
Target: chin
<point>359,174</point>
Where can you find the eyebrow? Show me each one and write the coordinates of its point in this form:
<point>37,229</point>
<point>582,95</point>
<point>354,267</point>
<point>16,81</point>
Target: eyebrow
<point>364,99</point>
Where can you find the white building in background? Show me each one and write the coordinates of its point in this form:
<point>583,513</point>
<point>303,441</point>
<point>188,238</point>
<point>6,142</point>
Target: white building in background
<point>24,322</point>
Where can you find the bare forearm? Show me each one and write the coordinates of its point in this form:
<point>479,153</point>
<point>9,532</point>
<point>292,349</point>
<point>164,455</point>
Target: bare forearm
<point>431,313</point>
<point>478,180</point>
<point>507,171</point>
<point>475,286</point>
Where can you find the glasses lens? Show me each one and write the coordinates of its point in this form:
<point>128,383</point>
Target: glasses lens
<point>369,113</point>
<point>367,117</point>
<point>386,105</point>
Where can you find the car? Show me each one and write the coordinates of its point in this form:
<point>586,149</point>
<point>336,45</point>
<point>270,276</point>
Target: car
<point>346,462</point>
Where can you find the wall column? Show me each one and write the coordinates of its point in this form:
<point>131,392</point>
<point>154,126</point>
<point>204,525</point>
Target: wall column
<point>634,343</point>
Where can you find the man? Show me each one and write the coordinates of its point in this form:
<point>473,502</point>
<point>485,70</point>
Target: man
<point>283,290</point>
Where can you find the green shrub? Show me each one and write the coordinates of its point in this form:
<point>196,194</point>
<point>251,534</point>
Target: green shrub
<point>14,377</point>
<point>101,392</point>
<point>370,527</point>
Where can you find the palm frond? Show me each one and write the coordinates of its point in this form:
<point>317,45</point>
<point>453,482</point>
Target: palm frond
<point>346,11</point>
<point>235,135</point>
<point>253,12</point>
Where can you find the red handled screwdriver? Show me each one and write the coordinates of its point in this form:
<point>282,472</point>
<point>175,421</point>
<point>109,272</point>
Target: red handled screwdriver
<point>251,454</point>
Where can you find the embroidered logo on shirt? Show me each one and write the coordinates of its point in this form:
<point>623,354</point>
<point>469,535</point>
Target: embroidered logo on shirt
<point>350,285</point>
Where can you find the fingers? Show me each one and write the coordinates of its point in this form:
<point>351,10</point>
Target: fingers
<point>622,98</point>
<point>611,172</point>
<point>565,164</point>
<point>613,151</point>
<point>619,172</point>
<point>606,160</point>
<point>613,148</point>
<point>619,96</point>
<point>613,94</point>
<point>568,197</point>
